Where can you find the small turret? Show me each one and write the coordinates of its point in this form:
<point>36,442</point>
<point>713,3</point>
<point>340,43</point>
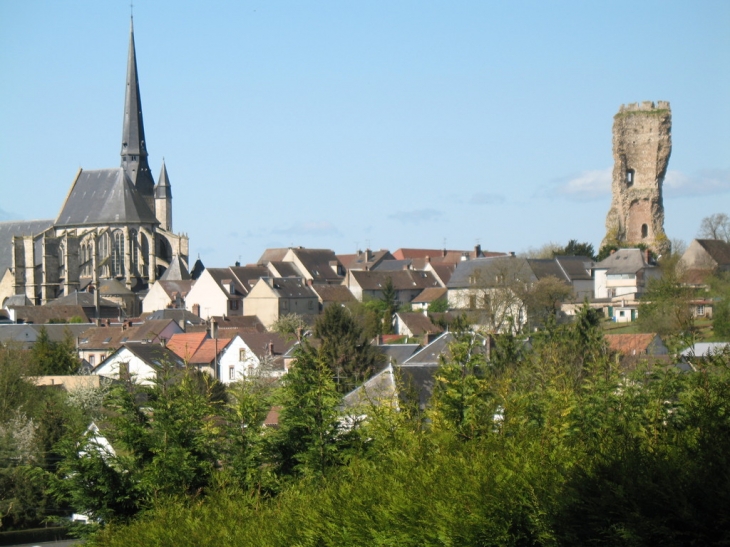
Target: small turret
<point>163,200</point>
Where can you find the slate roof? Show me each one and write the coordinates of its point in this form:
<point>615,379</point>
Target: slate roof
<point>367,260</point>
<point>378,389</point>
<point>43,314</point>
<point>547,267</point>
<point>112,287</point>
<point>247,276</point>
<point>624,261</point>
<point>417,382</point>
<point>101,197</point>
<point>17,300</point>
<point>402,279</point>
<point>180,287</point>
<point>272,255</point>
<point>430,354</point>
<point>397,353</point>
<point>289,287</point>
<point>576,268</point>
<point>486,272</point>
<point>717,249</point>
<point>152,354</point>
<point>17,228</point>
<point>244,323</point>
<point>318,263</point>
<point>113,337</point>
<point>419,323</point>
<point>56,332</point>
<point>84,299</point>
<point>176,315</point>
<point>429,295</point>
<point>393,265</point>
<point>283,269</point>
<point>178,271</point>
<point>705,349</point>
<point>333,293</point>
<point>259,343</point>
<point>223,277</point>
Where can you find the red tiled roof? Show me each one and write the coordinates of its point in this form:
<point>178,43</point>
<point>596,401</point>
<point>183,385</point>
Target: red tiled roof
<point>208,349</point>
<point>186,344</point>
<point>630,344</point>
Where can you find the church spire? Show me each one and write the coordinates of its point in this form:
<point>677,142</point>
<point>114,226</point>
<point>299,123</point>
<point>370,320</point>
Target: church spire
<point>134,146</point>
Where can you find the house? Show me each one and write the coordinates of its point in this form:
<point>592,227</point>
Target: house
<point>107,309</point>
<point>329,295</point>
<point>414,325</point>
<point>429,296</point>
<point>220,291</point>
<point>489,288</point>
<point>140,362</point>
<point>365,260</point>
<point>185,319</point>
<point>578,270</point>
<point>318,266</point>
<point>443,256</point>
<point>272,297</point>
<point>707,255</point>
<point>164,294</point>
<point>46,314</point>
<point>96,343</point>
<point>634,348</point>
<point>408,284</point>
<point>624,274</point>
<point>25,335</point>
<point>260,354</point>
<point>703,352</point>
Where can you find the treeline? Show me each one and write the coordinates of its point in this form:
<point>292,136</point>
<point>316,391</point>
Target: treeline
<point>544,443</point>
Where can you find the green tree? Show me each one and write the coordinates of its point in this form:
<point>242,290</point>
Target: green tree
<point>439,306</point>
<point>290,325</point>
<point>51,357</point>
<point>308,440</point>
<point>344,348</point>
<point>390,302</point>
<point>574,248</point>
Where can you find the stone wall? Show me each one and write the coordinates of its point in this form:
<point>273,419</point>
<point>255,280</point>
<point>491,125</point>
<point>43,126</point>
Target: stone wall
<point>642,143</point>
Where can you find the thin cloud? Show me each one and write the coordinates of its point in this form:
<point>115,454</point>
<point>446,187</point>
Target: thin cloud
<point>485,198</point>
<point>585,186</point>
<point>416,216</point>
<point>704,183</point>
<point>309,228</point>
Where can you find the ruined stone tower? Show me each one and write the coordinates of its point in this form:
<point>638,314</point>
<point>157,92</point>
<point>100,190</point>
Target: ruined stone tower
<point>642,143</point>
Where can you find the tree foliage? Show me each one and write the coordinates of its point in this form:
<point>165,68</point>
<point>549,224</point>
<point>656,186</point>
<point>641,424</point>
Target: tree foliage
<point>51,357</point>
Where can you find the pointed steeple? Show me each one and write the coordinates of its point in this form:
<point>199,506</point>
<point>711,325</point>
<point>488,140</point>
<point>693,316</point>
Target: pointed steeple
<point>163,199</point>
<point>134,146</point>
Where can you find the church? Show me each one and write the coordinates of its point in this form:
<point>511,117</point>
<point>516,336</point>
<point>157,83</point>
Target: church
<point>115,224</point>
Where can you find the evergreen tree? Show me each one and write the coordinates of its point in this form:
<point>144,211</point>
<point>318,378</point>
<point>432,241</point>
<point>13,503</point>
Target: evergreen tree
<point>344,348</point>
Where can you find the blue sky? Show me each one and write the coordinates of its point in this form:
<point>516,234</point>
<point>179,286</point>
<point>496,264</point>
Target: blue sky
<point>350,124</point>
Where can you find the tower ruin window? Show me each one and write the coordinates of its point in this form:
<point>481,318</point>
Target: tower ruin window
<point>133,252</point>
<point>644,231</point>
<point>145,252</point>
<point>629,177</point>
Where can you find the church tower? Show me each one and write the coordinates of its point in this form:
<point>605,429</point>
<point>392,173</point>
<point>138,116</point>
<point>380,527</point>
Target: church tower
<point>134,146</point>
<point>163,200</point>
<point>642,143</point>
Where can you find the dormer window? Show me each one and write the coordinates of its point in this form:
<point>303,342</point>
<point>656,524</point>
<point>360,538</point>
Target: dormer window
<point>630,177</point>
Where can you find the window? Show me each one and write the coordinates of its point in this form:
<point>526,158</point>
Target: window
<point>145,252</point>
<point>231,373</point>
<point>701,309</point>
<point>92,360</point>
<point>133,252</point>
<point>233,304</point>
<point>629,177</point>
<point>472,301</point>
<point>241,354</point>
<point>644,231</point>
<point>124,371</point>
<point>310,305</point>
<point>622,313</point>
<point>118,253</point>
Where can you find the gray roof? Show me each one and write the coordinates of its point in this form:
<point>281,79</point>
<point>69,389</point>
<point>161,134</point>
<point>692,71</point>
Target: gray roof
<point>397,353</point>
<point>176,314</point>
<point>17,228</point>
<point>84,299</point>
<point>546,267</point>
<point>178,270</point>
<point>705,349</point>
<point>431,354</point>
<point>28,333</point>
<point>576,267</point>
<point>490,272</point>
<point>290,287</point>
<point>104,196</point>
<point>163,190</point>
<point>624,261</point>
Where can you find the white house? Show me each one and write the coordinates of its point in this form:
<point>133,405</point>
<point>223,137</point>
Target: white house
<point>165,294</point>
<point>254,353</point>
<point>137,361</point>
<point>625,274</point>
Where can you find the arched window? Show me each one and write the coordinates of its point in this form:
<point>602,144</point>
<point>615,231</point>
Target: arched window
<point>145,258</point>
<point>630,177</point>
<point>118,254</point>
<point>133,250</point>
<point>644,231</point>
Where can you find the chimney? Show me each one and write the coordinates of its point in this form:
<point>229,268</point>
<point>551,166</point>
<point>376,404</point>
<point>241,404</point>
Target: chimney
<point>368,255</point>
<point>271,348</point>
<point>647,255</point>
<point>477,250</point>
<point>444,253</point>
<point>196,309</point>
<point>237,263</point>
